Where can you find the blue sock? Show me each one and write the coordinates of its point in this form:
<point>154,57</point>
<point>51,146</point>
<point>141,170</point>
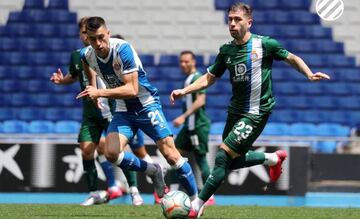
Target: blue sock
<point>128,161</point>
<point>187,178</point>
<point>108,170</point>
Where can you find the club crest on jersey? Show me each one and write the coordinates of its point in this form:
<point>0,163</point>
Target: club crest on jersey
<point>240,73</point>
<point>254,56</point>
<point>116,67</point>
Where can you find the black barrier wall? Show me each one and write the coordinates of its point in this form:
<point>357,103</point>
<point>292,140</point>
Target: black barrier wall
<point>58,168</point>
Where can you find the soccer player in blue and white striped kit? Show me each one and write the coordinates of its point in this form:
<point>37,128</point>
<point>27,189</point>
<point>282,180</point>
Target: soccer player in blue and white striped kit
<point>137,106</point>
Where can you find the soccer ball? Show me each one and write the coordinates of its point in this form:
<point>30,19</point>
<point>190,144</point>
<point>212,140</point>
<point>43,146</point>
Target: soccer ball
<point>175,204</point>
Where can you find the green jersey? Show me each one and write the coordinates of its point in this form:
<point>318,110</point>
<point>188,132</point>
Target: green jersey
<point>250,67</point>
<point>90,110</point>
<point>198,118</point>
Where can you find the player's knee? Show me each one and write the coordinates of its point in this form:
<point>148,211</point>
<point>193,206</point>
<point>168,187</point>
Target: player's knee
<point>111,156</point>
<point>88,153</point>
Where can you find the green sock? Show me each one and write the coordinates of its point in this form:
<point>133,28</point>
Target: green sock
<point>90,174</point>
<point>203,165</point>
<point>131,177</point>
<point>251,158</point>
<point>217,176</point>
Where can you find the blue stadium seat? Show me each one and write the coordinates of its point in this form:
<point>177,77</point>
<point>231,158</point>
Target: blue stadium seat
<point>350,74</point>
<point>61,58</point>
<point>41,126</point>
<point>313,116</point>
<point>30,113</point>
<point>217,115</point>
<point>54,114</point>
<point>304,17</point>
<point>323,102</point>
<point>68,30</point>
<point>337,116</point>
<point>168,60</point>
<point>258,4</point>
<point>223,4</point>
<point>40,58</point>
<point>302,129</point>
<point>15,126</point>
<point>340,60</point>
<point>72,113</point>
<point>297,102</point>
<point>284,116</point>
<point>286,88</point>
<point>30,44</point>
<point>217,128</point>
<point>317,31</point>
<point>349,102</point>
<point>34,4</point>
<point>276,129</point>
<point>311,88</point>
<point>14,58</point>
<point>325,147</point>
<point>10,85</point>
<point>341,89</point>
<point>217,101</point>
<point>17,30</point>
<point>67,127</point>
<point>46,30</point>
<point>8,44</point>
<point>22,72</point>
<point>1,127</point>
<point>296,4</point>
<point>172,73</point>
<point>329,46</point>
<point>19,99</point>
<point>66,100</point>
<point>147,60</point>
<point>42,99</point>
<point>58,4</point>
<point>7,113</point>
<point>172,113</point>
<point>332,129</point>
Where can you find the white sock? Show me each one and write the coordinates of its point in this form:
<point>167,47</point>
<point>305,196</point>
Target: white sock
<point>271,159</point>
<point>179,163</point>
<point>102,158</point>
<point>197,204</point>
<point>133,189</point>
<point>120,158</point>
<point>148,159</point>
<point>174,187</point>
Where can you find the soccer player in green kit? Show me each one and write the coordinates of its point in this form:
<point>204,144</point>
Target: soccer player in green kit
<point>249,60</point>
<point>95,122</point>
<point>194,135</point>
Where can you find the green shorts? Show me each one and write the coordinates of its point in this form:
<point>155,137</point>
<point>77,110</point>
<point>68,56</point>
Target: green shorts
<point>196,140</point>
<point>241,131</point>
<point>91,129</point>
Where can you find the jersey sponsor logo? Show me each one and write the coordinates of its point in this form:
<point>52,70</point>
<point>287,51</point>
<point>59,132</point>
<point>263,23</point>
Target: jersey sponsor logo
<point>112,80</point>
<point>76,170</point>
<point>240,73</point>
<point>8,162</point>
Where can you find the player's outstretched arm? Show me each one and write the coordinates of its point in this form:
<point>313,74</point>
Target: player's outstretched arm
<point>299,64</point>
<point>203,82</point>
<point>58,78</point>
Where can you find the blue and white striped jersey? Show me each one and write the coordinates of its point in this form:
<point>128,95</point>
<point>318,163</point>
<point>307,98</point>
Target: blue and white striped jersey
<point>122,60</point>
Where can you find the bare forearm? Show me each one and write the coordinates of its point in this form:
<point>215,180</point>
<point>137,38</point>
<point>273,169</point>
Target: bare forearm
<point>197,104</point>
<point>299,64</point>
<point>68,79</point>
<point>202,83</point>
<point>123,92</point>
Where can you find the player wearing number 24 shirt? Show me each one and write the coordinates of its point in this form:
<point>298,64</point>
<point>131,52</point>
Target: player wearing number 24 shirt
<point>137,106</point>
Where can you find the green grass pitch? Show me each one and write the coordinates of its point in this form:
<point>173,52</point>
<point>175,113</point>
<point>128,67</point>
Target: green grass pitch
<point>30,211</point>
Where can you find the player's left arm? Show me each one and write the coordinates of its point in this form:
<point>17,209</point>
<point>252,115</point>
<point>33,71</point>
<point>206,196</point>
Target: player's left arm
<point>299,64</point>
<point>197,104</point>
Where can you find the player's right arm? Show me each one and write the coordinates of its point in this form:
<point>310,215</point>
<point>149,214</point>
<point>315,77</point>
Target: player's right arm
<point>203,82</point>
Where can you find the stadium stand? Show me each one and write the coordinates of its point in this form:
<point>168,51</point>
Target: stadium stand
<point>37,38</point>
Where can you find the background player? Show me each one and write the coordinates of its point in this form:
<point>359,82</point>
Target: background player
<point>194,135</point>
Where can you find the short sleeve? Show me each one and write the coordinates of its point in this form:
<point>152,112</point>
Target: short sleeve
<point>83,52</point>
<point>218,68</point>
<point>275,49</point>
<point>128,58</point>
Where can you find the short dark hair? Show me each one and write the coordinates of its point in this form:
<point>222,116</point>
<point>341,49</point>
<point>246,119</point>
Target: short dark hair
<point>82,22</point>
<point>185,52</point>
<point>118,36</point>
<point>241,6</point>
<point>94,23</point>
